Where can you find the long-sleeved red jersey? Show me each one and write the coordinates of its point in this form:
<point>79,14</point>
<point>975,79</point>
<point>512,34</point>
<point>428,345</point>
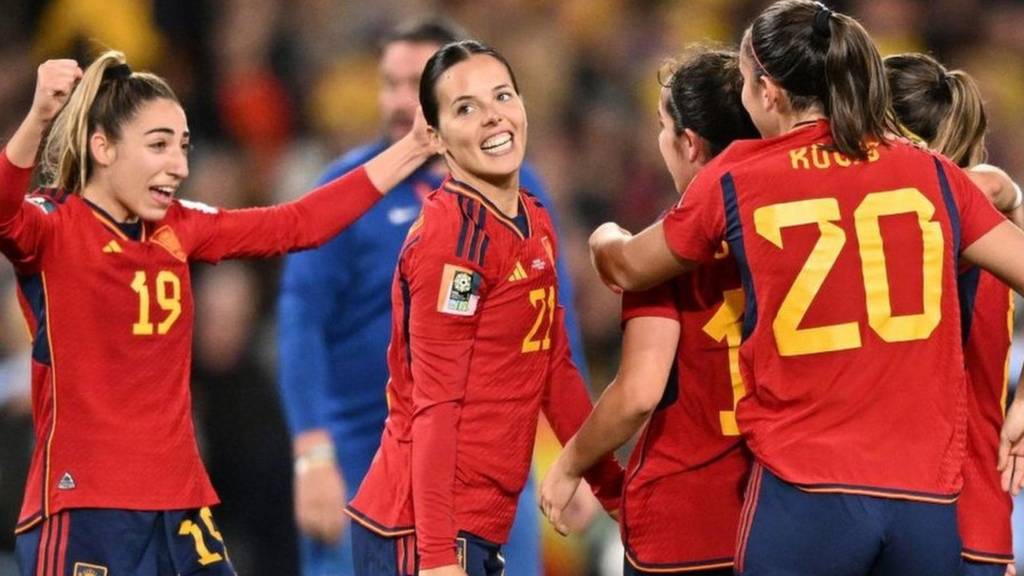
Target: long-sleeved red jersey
<point>984,508</point>
<point>478,348</point>
<point>111,322</point>
<point>852,349</point>
<point>685,480</point>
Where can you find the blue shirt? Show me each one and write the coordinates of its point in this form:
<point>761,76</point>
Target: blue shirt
<point>334,318</point>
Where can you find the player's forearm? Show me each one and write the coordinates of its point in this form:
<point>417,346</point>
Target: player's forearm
<point>24,144</point>
<point>14,183</point>
<point>433,483</point>
<point>613,421</point>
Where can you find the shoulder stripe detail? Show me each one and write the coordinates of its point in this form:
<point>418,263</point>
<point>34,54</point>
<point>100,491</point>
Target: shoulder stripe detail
<point>462,189</point>
<point>951,209</point>
<point>373,526</point>
<point>734,238</point>
<point>474,244</point>
<point>967,293</point>
<point>465,226</point>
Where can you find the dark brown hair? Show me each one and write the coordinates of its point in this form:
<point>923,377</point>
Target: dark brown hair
<point>821,57</point>
<point>705,89</point>
<point>944,108</point>
<point>449,55</point>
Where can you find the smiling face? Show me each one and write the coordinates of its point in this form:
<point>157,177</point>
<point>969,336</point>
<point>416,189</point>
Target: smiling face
<point>481,121</point>
<point>139,174</point>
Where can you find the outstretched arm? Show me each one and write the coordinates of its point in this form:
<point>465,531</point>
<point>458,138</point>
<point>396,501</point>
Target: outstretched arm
<point>648,351</point>
<point>631,263</point>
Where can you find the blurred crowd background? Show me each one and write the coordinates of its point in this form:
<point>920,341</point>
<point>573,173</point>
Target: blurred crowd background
<point>275,89</point>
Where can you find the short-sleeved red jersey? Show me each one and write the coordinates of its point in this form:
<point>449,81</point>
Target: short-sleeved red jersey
<point>111,320</point>
<point>477,331</point>
<point>686,477</point>
<point>852,353</point>
<point>984,508</point>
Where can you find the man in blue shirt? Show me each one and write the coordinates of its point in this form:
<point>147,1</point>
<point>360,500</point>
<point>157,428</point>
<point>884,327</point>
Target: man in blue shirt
<point>334,324</point>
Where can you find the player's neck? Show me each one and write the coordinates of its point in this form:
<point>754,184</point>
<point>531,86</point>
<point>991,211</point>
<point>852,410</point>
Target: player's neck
<point>103,197</point>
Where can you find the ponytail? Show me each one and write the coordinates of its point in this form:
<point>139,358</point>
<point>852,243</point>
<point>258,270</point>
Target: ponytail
<point>826,59</point>
<point>858,94</point>
<point>961,135</point>
<point>943,108</point>
<point>107,96</point>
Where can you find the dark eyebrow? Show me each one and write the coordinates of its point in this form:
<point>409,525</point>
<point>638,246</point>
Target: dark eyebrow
<point>502,87</point>
<point>161,130</point>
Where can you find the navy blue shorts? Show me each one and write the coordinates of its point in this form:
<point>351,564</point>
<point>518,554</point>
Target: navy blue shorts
<point>376,555</point>
<point>100,542</point>
<point>786,531</point>
<point>971,568</point>
<point>629,570</point>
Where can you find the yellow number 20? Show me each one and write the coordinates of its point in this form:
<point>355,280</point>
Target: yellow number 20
<point>168,297</point>
<point>793,340</point>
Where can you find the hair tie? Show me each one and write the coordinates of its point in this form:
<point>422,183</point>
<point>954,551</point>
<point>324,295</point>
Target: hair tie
<point>753,52</point>
<point>821,21</point>
<point>117,72</point>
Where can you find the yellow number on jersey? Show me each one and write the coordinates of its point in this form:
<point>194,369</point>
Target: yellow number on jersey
<point>792,340</point>
<point>190,528</point>
<point>727,325</point>
<point>168,297</point>
<point>543,299</point>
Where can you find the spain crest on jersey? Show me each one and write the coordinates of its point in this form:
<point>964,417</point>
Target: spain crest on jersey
<point>460,291</point>
<point>83,569</point>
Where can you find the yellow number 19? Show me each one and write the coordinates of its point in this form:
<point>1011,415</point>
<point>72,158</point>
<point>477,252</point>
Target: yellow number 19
<point>168,297</point>
<point>726,325</point>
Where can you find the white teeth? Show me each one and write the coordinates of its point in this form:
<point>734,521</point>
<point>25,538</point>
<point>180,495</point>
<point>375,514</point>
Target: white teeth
<point>497,141</point>
<point>167,190</point>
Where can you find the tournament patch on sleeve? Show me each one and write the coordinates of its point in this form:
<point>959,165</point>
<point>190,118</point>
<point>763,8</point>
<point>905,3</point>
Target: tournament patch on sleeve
<point>460,291</point>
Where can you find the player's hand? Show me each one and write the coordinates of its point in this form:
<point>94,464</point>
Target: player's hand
<point>556,491</point>
<point>449,570</point>
<point>422,135</point>
<point>1011,448</point>
<point>320,501</point>
<point>600,241</point>
<point>582,509</point>
<point>55,79</point>
<point>1011,570</point>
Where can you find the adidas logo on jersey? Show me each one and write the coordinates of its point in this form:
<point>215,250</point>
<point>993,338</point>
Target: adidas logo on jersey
<point>112,247</point>
<point>518,273</point>
<point>66,482</point>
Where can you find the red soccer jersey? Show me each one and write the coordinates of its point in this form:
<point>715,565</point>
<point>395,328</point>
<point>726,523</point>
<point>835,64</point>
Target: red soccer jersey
<point>984,508</point>
<point>477,349</point>
<point>111,319</point>
<point>686,477</point>
<point>852,354</point>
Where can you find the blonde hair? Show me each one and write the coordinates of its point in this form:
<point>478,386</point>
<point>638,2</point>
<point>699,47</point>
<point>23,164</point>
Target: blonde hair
<point>107,96</point>
<point>944,108</point>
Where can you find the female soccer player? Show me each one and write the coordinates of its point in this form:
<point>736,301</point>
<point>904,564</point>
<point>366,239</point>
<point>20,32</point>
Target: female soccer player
<point>679,371</point>
<point>848,241</point>
<point>478,344</point>
<point>116,484</point>
<point>945,109</point>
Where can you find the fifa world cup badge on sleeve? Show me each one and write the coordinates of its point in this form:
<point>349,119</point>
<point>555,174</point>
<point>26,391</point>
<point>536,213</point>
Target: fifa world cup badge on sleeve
<point>83,569</point>
<point>460,291</point>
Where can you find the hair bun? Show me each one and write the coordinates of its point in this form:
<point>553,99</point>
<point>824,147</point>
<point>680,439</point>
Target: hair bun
<point>117,72</point>
<point>822,18</point>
